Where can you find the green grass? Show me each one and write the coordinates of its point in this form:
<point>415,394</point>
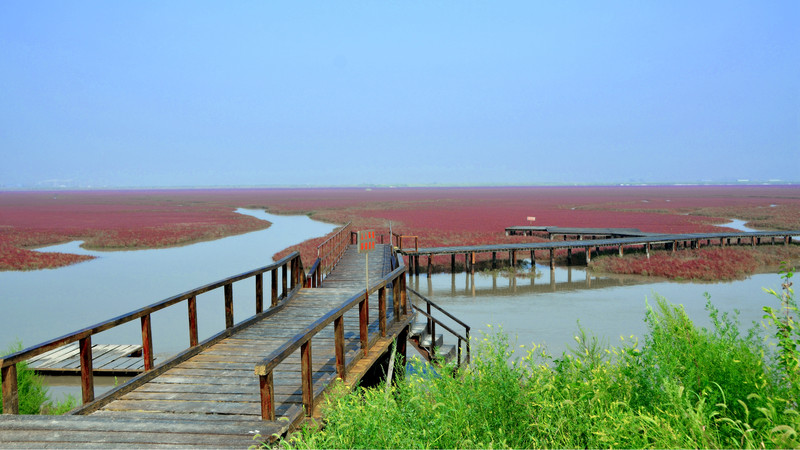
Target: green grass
<point>681,387</point>
<point>32,392</point>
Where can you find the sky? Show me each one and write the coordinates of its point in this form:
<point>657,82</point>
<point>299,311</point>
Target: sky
<point>271,93</point>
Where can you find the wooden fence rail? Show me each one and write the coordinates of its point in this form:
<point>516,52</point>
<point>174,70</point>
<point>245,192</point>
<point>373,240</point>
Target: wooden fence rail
<point>302,341</point>
<point>291,276</point>
<point>330,252</point>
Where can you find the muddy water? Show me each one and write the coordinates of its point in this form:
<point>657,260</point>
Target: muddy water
<point>546,309</point>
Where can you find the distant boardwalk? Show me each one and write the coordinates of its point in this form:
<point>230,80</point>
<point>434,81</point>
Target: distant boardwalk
<point>589,239</point>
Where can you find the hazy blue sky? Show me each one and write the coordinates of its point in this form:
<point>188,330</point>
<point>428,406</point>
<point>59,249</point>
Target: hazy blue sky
<point>191,93</point>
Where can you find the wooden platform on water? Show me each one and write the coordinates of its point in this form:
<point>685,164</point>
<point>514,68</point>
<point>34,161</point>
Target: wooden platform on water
<point>210,396</point>
<point>107,359</point>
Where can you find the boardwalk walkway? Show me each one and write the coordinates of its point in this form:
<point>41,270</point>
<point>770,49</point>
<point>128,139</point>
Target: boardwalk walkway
<point>647,240</point>
<point>212,398</point>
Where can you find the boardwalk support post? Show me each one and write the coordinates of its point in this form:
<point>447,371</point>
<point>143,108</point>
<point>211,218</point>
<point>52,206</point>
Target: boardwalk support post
<point>363,321</point>
<point>87,376</point>
<point>147,343</point>
<point>382,310</point>
<point>266,388</point>
<point>259,293</point>
<point>192,306</point>
<point>229,305</point>
<point>274,298</point>
<point>552,259</point>
<point>306,373</point>
<point>10,396</point>
<point>338,331</point>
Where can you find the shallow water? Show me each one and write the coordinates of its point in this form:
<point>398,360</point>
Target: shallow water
<point>44,304</point>
<point>545,309</point>
<point>548,308</point>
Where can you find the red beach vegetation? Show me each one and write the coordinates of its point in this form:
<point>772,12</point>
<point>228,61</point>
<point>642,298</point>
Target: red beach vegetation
<point>110,220</point>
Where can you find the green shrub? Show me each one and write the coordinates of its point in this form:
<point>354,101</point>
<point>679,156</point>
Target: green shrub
<point>684,387</point>
<point>32,392</point>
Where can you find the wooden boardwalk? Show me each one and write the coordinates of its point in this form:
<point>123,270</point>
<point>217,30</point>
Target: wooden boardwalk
<point>210,396</point>
<point>106,360</point>
<point>647,240</point>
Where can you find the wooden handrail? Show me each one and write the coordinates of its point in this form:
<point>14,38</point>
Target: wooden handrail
<point>399,240</point>
<point>439,308</point>
<point>432,322</point>
<point>330,251</point>
<point>302,341</point>
<point>83,337</point>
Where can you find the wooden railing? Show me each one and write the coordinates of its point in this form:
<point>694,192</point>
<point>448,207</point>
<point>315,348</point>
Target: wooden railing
<point>329,253</point>
<point>291,278</point>
<point>398,240</point>
<point>302,341</point>
<point>433,322</point>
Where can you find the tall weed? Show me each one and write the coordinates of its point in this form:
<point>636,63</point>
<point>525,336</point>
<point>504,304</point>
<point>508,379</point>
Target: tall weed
<point>684,387</point>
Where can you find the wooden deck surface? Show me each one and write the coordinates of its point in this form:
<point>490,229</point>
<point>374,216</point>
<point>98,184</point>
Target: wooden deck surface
<point>212,399</point>
<point>609,242</point>
<point>107,359</point>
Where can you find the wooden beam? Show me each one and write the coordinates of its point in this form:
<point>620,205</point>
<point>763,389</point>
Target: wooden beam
<point>147,343</point>
<point>229,305</point>
<point>274,298</point>
<point>382,311</point>
<point>338,332</point>
<point>192,306</point>
<point>306,373</point>
<point>87,376</point>
<point>363,322</point>
<point>259,293</point>
<point>267,392</point>
<point>10,395</point>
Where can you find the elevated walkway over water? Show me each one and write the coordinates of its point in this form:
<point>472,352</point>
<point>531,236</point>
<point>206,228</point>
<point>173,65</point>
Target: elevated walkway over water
<point>259,376</point>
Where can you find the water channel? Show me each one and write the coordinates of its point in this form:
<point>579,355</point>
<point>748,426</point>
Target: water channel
<point>41,305</point>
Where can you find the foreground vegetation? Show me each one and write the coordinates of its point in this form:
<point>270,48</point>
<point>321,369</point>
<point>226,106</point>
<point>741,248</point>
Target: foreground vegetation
<point>682,387</point>
<point>32,392</point>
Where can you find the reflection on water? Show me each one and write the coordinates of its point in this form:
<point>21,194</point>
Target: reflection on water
<point>546,309</point>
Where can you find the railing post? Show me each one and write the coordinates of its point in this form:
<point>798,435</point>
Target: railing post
<point>10,396</point>
<point>274,286</point>
<point>229,305</point>
<point>267,390</point>
<point>382,310</point>
<point>431,328</point>
<point>403,295</point>
<point>284,279</point>
<point>147,343</point>
<point>468,340</point>
<point>396,298</point>
<point>338,335</point>
<point>87,375</point>
<point>363,321</point>
<point>193,321</point>
<point>259,293</point>
<point>305,373</point>
<point>293,267</point>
